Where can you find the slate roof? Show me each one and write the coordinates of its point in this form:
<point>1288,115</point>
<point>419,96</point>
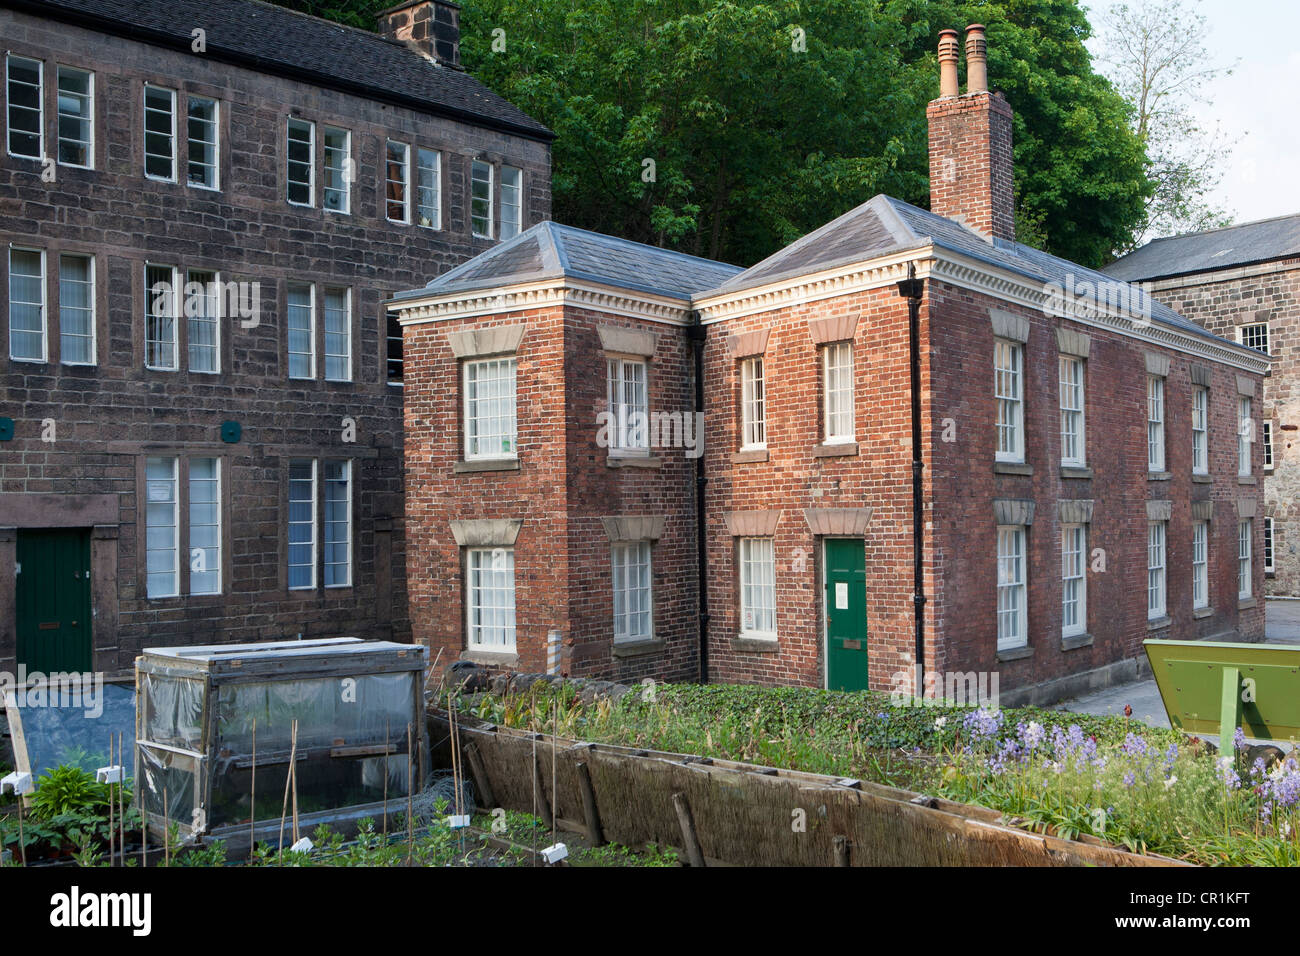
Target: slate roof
<point>1214,249</point>
<point>274,40</point>
<point>549,251</point>
<point>885,225</point>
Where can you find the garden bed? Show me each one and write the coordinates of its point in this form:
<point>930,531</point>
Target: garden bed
<point>1112,780</point>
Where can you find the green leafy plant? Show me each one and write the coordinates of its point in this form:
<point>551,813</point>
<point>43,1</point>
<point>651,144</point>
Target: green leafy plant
<point>67,789</point>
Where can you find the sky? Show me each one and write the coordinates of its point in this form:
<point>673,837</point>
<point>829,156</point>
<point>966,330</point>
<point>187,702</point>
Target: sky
<point>1256,105</point>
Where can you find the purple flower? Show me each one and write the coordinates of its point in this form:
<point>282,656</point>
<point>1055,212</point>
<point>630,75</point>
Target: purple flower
<point>1239,739</point>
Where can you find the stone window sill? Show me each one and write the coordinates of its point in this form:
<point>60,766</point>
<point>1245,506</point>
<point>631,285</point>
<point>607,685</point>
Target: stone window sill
<point>498,658</point>
<point>1200,613</point>
<point>1202,479</point>
<point>1245,604</point>
<point>835,450</point>
<point>1012,468</point>
<point>1015,653</point>
<point>485,464</point>
<point>1159,475</point>
<point>1247,480</point>
<point>1075,641</point>
<point>755,645</point>
<point>748,456</point>
<point>1075,471</point>
<point>1159,623</point>
<point>639,648</point>
<point>633,461</point>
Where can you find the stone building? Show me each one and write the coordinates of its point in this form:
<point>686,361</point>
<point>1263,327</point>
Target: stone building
<point>1243,282</point>
<point>204,208</point>
<point>923,441</point>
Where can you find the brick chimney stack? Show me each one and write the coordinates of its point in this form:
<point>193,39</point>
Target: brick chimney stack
<point>430,27</point>
<point>971,172</point>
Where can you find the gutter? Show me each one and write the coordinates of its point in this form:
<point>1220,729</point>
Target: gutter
<point>913,289</point>
<point>161,38</point>
<point>696,333</point>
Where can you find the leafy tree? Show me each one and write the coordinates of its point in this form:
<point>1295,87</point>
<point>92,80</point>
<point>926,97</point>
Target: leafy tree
<point>729,128</point>
<point>1155,54</point>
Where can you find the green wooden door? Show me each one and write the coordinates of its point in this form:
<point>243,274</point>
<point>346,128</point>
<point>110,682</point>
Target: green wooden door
<point>53,600</point>
<point>846,614</point>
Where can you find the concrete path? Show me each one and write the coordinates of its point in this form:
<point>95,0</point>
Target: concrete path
<point>1282,627</point>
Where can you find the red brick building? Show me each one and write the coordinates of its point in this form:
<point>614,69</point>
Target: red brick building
<point>920,438</point>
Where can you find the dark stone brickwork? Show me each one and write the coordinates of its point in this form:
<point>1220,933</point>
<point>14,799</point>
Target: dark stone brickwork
<point>108,417</point>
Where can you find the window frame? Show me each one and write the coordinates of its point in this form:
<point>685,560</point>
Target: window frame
<point>1200,565</point>
<point>511,365</point>
<point>1245,559</point>
<point>212,297</point>
<point>405,182</point>
<point>845,393</point>
<point>1073,418</point>
<point>176,315</point>
<point>218,482</point>
<point>310,163</point>
<point>1012,425</point>
<point>1266,443</point>
<point>44,305</point>
<point>1157,574</point>
<point>326,523</point>
<point>92,283</point>
<point>311,331</point>
<point>1201,435</point>
<point>1270,544</point>
<point>173,177</point>
<point>473,588</point>
<point>747,562</point>
<point>1017,558</point>
<point>326,292</point>
<point>1157,446</point>
<point>345,172</point>
<point>215,165</point>
<point>10,107</point>
<point>753,404</point>
<point>1074,544</point>
<point>1245,436</point>
<point>1267,335</point>
<point>622,411</point>
<point>627,556</point>
<point>89,95</point>
<point>474,165</point>
<point>175,502</point>
<point>435,223</point>
<point>314,543</point>
<point>517,223</point>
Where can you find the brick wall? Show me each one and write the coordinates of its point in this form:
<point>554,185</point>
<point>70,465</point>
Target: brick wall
<point>562,488</point>
<point>109,416</point>
<point>1222,302</point>
<point>972,177</point>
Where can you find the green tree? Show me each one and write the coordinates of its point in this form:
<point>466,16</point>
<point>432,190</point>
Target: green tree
<point>729,128</point>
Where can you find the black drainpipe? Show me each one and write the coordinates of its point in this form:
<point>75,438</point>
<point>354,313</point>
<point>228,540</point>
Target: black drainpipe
<point>696,332</point>
<point>913,288</point>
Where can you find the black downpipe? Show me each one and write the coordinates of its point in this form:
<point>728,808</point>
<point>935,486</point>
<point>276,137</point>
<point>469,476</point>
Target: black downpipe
<point>695,332</point>
<point>913,289</point>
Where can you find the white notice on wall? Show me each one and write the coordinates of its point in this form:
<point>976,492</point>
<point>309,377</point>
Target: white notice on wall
<point>841,596</point>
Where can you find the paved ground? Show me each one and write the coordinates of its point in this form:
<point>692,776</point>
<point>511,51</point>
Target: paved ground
<point>1282,627</point>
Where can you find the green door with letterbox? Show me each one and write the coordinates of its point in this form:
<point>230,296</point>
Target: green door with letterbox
<point>846,614</point>
<point>53,600</point>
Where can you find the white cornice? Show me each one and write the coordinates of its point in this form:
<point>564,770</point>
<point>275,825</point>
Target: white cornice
<point>974,275</point>
<point>539,295</point>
